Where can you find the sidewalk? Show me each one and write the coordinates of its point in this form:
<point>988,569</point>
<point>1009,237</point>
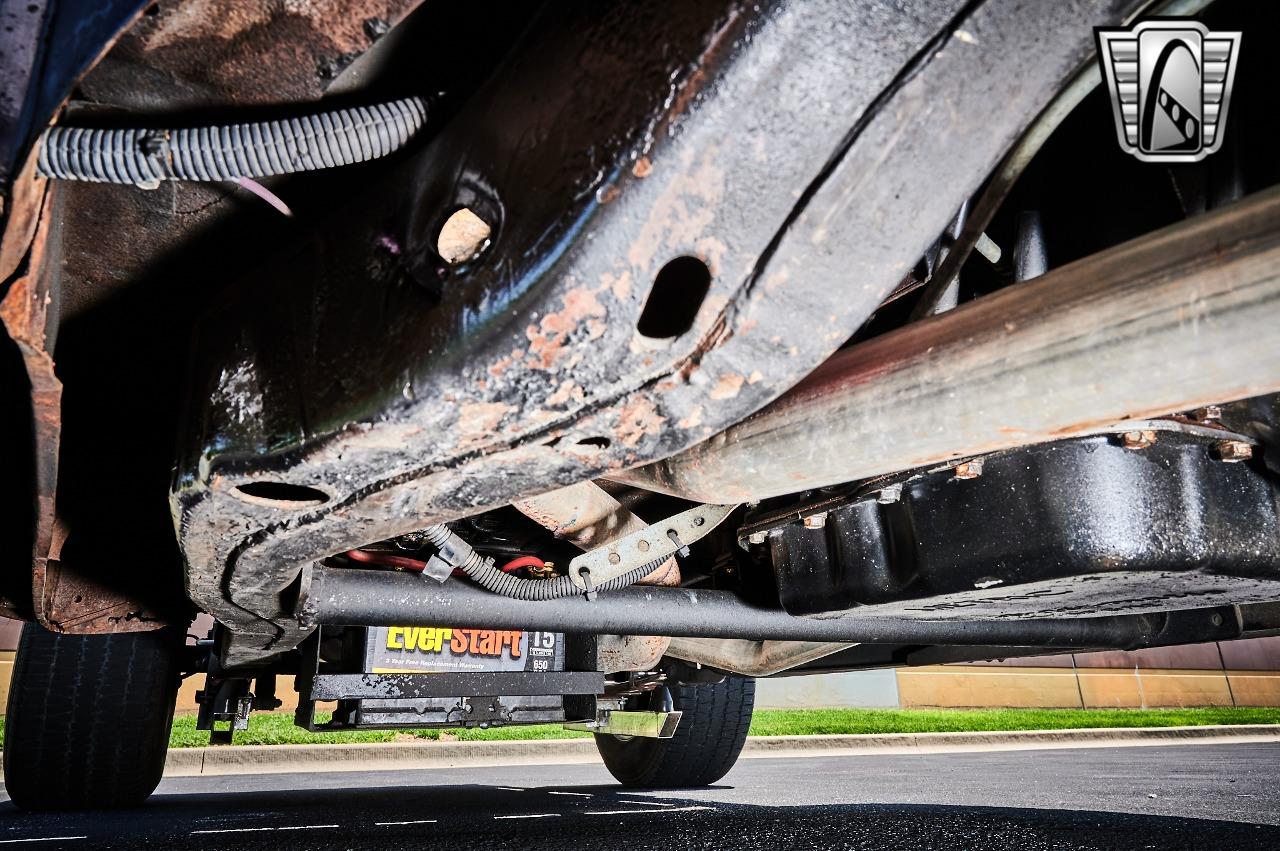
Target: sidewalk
<point>276,759</point>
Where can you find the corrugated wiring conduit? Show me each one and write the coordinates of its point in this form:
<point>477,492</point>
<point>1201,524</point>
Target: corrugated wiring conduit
<point>458,553</point>
<point>145,157</point>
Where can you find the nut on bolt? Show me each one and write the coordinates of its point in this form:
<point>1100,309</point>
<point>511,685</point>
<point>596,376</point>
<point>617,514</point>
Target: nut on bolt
<point>756,538</point>
<point>1208,414</point>
<point>816,521</point>
<point>1138,439</point>
<point>969,469</point>
<point>1232,451</point>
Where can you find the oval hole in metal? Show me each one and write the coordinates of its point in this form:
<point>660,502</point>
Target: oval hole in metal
<point>676,297</point>
<point>281,494</point>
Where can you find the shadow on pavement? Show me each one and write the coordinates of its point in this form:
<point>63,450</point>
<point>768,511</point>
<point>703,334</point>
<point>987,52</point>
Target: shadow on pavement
<point>595,817</point>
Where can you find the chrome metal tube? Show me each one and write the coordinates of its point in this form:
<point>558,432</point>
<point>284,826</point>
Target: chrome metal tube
<point>1175,320</point>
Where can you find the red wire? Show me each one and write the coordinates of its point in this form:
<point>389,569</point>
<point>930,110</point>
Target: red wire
<point>521,561</point>
<point>387,560</point>
<point>416,565</point>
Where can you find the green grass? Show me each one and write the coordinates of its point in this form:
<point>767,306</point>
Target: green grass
<point>276,728</point>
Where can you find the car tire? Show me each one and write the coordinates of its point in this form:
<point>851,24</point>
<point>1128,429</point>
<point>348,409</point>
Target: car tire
<point>706,744</point>
<point>88,718</point>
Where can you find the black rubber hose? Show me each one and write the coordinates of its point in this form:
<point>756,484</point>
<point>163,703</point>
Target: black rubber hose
<point>458,553</point>
<point>261,149</point>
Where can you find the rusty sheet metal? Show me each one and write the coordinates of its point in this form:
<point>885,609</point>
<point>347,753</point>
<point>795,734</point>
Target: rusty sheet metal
<point>596,161</point>
<point>63,599</point>
<point>22,214</point>
<point>1147,328</point>
<point>24,314</point>
<point>246,52</point>
<point>69,599</point>
<point>751,658</point>
<point>588,517</point>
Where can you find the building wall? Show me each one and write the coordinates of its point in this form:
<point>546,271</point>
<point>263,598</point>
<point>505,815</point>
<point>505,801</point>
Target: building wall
<point>1229,673</point>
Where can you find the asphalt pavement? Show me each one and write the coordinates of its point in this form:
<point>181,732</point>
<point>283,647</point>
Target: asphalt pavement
<point>1206,796</point>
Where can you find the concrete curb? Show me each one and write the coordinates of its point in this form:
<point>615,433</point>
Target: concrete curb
<point>278,759</point>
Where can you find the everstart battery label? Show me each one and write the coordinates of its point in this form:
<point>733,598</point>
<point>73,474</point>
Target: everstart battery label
<point>430,649</point>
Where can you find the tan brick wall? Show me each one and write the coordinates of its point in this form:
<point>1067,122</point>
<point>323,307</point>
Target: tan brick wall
<point>1092,688</point>
<point>6,671</point>
<point>1103,688</point>
<point>972,685</point>
<point>1255,688</point>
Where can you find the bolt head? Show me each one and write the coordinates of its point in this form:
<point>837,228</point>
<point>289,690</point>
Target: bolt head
<point>1208,414</point>
<point>756,538</point>
<point>891,494</point>
<point>969,469</point>
<point>816,521</point>
<point>1233,451</point>
<point>1137,440</point>
<point>614,558</point>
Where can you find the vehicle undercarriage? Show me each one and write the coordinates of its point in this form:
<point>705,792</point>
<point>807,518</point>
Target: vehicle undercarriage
<point>640,349</point>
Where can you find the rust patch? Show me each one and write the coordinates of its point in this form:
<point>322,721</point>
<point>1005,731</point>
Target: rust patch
<point>23,208</point>
<point>693,420</point>
<point>637,420</point>
<point>727,386</point>
<point>548,338</point>
<point>478,420</point>
<point>501,365</point>
<point>681,213</point>
<point>567,391</point>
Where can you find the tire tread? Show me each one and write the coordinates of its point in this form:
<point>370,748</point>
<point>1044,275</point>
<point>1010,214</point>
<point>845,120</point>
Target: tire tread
<point>706,744</point>
<point>88,718</point>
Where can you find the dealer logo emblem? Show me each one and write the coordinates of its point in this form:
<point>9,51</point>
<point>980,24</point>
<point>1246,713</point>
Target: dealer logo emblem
<point>1170,84</point>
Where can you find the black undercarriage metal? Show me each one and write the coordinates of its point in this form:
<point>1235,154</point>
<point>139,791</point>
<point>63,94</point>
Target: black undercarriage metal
<point>339,596</point>
<point>373,389</point>
<point>1169,503</point>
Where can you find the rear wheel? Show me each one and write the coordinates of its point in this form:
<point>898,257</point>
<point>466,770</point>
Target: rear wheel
<point>705,746</point>
<point>88,718</point>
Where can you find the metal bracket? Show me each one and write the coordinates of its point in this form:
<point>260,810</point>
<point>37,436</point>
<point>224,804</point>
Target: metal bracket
<point>655,542</point>
<point>480,712</point>
<point>438,569</point>
<point>622,722</point>
<point>224,701</point>
<point>453,684</point>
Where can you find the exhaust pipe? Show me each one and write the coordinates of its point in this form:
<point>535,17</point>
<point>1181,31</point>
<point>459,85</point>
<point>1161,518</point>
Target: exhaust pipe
<point>1181,318</point>
<point>336,596</point>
